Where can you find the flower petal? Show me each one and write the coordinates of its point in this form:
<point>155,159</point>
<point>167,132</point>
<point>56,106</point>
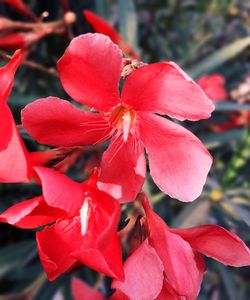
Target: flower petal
<point>143,274</point>
<point>168,292</point>
<point>164,88</point>
<point>175,157</point>
<point>15,166</point>
<point>218,243</point>
<point>184,268</point>
<point>60,191</point>
<point>56,256</point>
<point>57,122</point>
<point>90,70</point>
<point>7,74</point>
<point>123,169</point>
<point>81,291</point>
<point>101,250</point>
<point>102,26</point>
<point>31,213</point>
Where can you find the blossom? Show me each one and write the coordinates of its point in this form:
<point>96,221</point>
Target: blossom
<point>90,72</point>
<point>213,86</point>
<point>84,227</point>
<point>181,252</point>
<point>16,162</point>
<point>102,26</point>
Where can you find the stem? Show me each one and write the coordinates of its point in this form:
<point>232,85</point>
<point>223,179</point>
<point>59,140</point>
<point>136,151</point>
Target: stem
<point>33,65</point>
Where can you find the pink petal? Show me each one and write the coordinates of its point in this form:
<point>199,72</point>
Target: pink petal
<point>178,161</point>
<point>15,166</point>
<point>31,213</point>
<point>123,169</point>
<point>57,122</point>
<point>164,88</point>
<point>81,291</point>
<point>7,74</point>
<point>90,70</point>
<point>60,191</point>
<point>56,244</point>
<point>184,268</point>
<point>143,274</point>
<point>218,243</point>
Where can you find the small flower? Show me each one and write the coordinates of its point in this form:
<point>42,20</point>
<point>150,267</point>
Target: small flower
<point>85,225</point>
<point>90,71</point>
<point>214,86</point>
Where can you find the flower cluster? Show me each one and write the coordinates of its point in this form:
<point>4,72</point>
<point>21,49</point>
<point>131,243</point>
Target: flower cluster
<point>81,219</point>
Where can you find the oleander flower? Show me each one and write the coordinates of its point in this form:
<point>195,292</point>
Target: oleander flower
<point>84,228</point>
<point>181,252</point>
<point>90,71</point>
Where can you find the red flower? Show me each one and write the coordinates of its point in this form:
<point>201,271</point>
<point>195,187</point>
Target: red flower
<point>102,26</point>
<point>181,251</point>
<point>81,290</point>
<point>16,162</point>
<point>85,228</point>
<point>90,71</point>
<point>213,86</point>
<point>22,8</point>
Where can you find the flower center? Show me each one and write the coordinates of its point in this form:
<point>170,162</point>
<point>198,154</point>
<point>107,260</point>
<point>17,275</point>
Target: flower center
<point>123,119</point>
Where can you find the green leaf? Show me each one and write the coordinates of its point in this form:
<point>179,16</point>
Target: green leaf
<point>128,22</point>
<point>231,106</point>
<point>219,57</point>
<point>16,256</point>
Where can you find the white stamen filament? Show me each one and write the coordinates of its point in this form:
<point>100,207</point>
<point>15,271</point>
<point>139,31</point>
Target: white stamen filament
<point>84,216</point>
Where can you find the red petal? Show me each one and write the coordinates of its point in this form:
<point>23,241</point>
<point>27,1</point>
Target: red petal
<point>31,213</point>
<point>123,169</point>
<point>101,249</point>
<point>57,122</point>
<point>7,74</point>
<point>143,274</point>
<point>13,158</point>
<point>60,191</point>
<point>184,268</point>
<point>168,293</point>
<point>102,26</point>
<point>81,291</point>
<point>118,295</point>
<point>90,70</point>
<point>218,243</point>
<point>56,244</point>
<point>175,157</point>
<point>164,88</point>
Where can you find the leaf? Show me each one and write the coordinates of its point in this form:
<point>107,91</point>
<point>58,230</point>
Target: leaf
<point>128,22</point>
<point>215,140</point>
<point>195,213</point>
<point>231,106</point>
<point>219,57</point>
<point>16,256</point>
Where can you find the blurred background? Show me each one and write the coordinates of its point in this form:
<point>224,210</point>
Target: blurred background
<point>210,40</point>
